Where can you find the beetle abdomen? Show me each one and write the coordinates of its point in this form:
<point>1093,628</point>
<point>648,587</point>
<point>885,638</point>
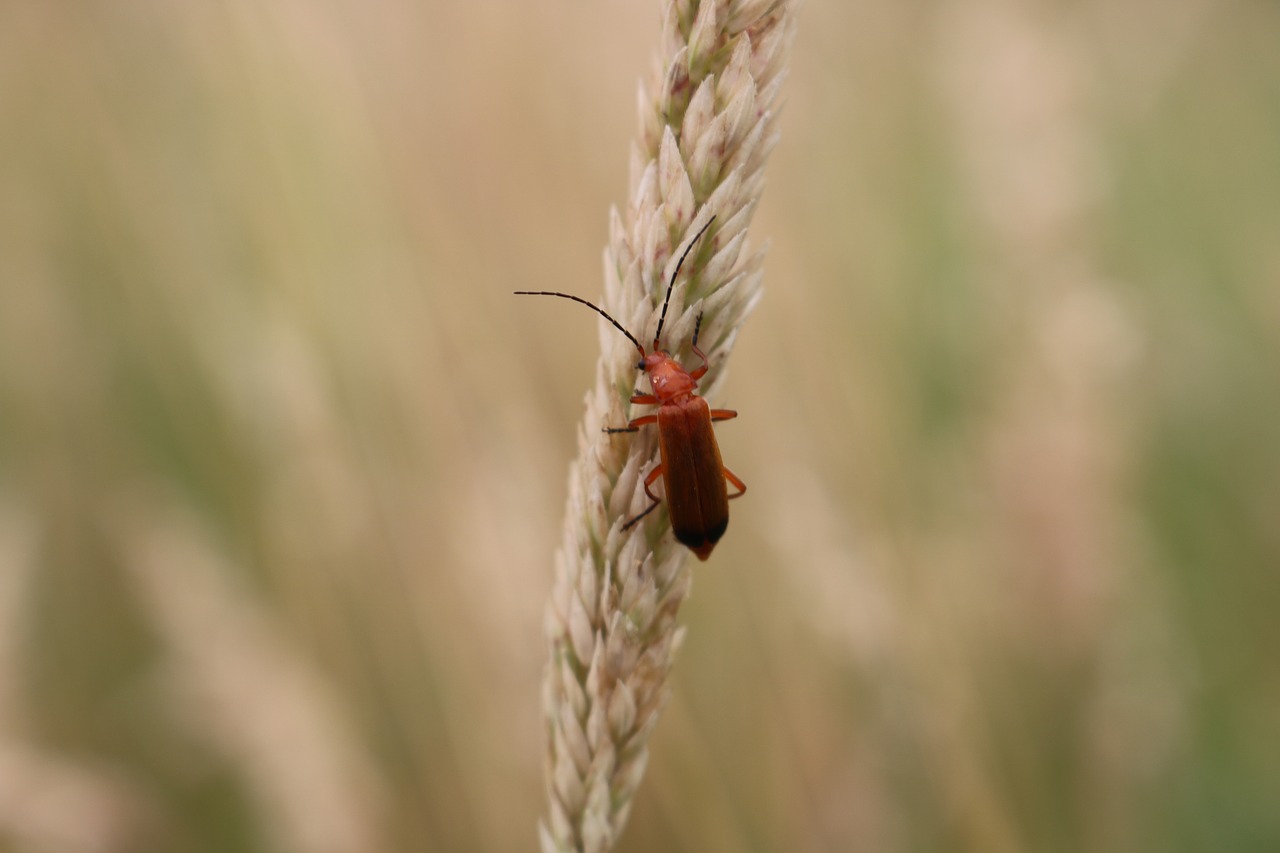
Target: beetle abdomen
<point>697,499</point>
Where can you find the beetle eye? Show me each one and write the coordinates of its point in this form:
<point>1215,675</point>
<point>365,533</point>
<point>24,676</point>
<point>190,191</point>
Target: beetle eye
<point>639,365</point>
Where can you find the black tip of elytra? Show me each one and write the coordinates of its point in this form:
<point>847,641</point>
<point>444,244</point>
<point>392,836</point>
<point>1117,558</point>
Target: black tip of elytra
<point>701,541</point>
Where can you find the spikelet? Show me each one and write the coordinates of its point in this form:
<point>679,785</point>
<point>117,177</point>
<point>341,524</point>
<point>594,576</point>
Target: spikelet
<point>708,120</point>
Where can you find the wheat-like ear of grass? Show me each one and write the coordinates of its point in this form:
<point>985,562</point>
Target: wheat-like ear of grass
<point>708,120</point>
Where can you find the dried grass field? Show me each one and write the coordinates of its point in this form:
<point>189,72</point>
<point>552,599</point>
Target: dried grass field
<point>283,463</point>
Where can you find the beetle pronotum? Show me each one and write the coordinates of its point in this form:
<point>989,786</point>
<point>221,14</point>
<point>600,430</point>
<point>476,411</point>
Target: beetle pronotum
<point>690,466</point>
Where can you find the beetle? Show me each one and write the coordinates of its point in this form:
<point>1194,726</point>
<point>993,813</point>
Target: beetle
<point>691,469</point>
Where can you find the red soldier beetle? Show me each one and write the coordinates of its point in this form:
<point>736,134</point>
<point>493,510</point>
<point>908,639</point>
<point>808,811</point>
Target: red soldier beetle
<point>690,467</point>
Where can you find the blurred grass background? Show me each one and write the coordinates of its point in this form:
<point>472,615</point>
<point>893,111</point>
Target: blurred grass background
<point>282,463</point>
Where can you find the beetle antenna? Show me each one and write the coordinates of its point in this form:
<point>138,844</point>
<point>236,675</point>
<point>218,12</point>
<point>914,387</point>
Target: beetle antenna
<point>590,305</point>
<point>662,319</point>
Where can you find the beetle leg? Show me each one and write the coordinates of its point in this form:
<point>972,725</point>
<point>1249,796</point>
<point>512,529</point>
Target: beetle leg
<point>634,425</point>
<point>742,487</point>
<point>644,399</point>
<point>701,371</point>
<point>630,523</point>
<point>723,414</point>
<point>648,481</point>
